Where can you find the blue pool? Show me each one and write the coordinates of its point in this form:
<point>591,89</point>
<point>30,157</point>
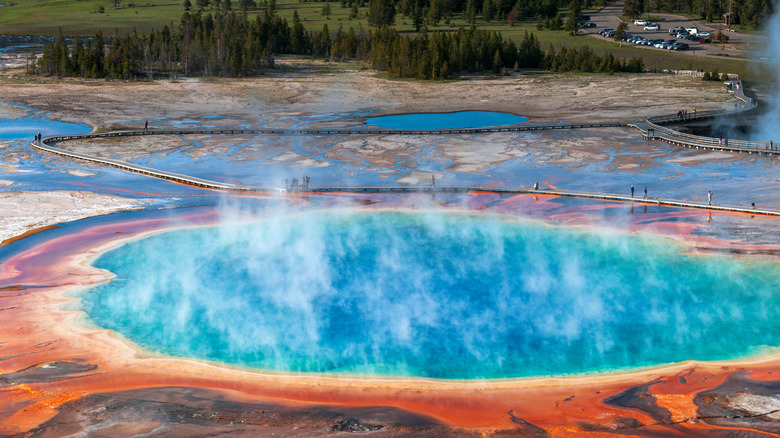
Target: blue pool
<point>438,295</point>
<point>456,120</point>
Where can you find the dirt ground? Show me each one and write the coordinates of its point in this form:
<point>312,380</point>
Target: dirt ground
<point>340,88</point>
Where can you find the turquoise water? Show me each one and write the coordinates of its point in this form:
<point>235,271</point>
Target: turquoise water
<point>451,295</point>
<point>462,119</point>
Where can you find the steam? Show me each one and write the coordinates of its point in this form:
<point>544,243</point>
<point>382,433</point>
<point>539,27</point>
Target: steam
<point>768,125</point>
<point>433,294</point>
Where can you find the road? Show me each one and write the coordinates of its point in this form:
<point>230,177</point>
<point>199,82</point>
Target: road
<point>739,45</point>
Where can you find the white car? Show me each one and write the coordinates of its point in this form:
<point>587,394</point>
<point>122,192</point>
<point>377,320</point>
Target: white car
<point>641,22</point>
<point>653,26</point>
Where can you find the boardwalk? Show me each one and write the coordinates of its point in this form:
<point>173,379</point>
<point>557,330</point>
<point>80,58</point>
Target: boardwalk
<point>549,192</point>
<point>650,128</point>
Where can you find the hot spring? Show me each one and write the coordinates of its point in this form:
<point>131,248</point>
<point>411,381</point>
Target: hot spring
<point>432,294</point>
<point>454,120</point>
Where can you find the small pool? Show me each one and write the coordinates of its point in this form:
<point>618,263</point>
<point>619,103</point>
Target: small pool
<point>456,120</point>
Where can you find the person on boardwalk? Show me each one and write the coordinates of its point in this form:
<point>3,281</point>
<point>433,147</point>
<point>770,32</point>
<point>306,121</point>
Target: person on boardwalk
<point>146,126</point>
<point>632,190</point>
<point>645,192</point>
<point>709,198</point>
<point>536,186</point>
<point>771,144</point>
<point>433,180</point>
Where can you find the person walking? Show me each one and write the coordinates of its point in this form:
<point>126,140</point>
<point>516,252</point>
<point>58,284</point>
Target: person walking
<point>645,192</point>
<point>709,198</point>
<point>433,180</point>
<point>146,126</point>
<point>632,190</point>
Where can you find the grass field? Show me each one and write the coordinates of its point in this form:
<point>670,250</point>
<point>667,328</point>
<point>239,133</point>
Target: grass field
<point>81,17</point>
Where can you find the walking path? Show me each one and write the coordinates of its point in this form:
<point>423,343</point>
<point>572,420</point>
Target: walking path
<point>548,192</point>
<point>650,128</point>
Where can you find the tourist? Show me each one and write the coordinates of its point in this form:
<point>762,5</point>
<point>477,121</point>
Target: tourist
<point>433,180</point>
<point>753,204</point>
<point>146,125</point>
<point>536,186</point>
<point>645,192</point>
<point>720,140</point>
<point>771,144</point>
<point>709,198</point>
<point>632,190</point>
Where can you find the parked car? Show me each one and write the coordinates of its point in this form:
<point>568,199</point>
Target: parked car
<point>610,34</point>
<point>653,26</point>
<point>682,35</point>
<point>641,22</point>
<point>605,31</point>
<point>587,25</point>
<point>692,30</point>
<point>705,34</point>
<point>584,18</point>
<point>690,38</point>
<point>679,46</point>
<point>675,30</point>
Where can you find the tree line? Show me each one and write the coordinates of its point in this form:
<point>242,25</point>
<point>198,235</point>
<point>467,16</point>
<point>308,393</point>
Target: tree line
<point>231,45</point>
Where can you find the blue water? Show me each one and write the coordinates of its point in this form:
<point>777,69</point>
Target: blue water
<point>453,296</point>
<point>462,119</point>
<point>30,126</point>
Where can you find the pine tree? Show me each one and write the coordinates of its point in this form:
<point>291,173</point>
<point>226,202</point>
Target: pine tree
<point>573,17</point>
<point>381,13</point>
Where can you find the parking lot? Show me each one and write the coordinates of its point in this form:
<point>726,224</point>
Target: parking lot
<point>739,44</point>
